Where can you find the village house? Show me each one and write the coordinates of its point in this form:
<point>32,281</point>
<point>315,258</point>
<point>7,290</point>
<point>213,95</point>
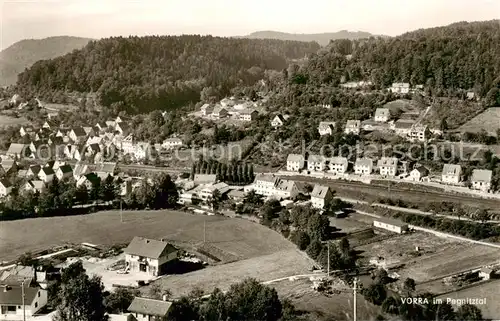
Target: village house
<point>46,174</point>
<point>80,170</point>
<point>49,124</point>
<point>5,187</point>
<point>205,192</point>
<point>33,170</point>
<point>121,119</point>
<point>77,135</point>
<point>337,165</point>
<point>451,174</point>
<point>470,95</point>
<point>26,131</point>
<point>63,172</point>
<point>105,169</point>
<point>402,127</point>
<point>481,180</point>
<point>486,273</point>
<point>236,195</point>
<point>145,309</point>
<point>285,189</point>
<point>388,166</point>
<point>170,143</point>
<point>273,186</point>
<point>62,132</point>
<point>89,131</point>
<point>248,114</point>
<point>326,128</point>
<point>128,145</point>
<point>149,256</point>
<point>100,127</point>
<point>419,133</point>
<point>363,166</point>
<point>123,129</point>
<point>353,126</point>
<point>390,225</point>
<point>111,124</point>
<point>8,166</point>
<point>321,196</point>
<point>205,179</point>
<point>206,110</point>
<point>316,163</point>
<point>418,173</point>
<point>87,180</point>
<point>34,186</point>
<point>278,121</point>
<point>382,115</point>
<point>219,112</point>
<point>142,150</point>
<point>294,162</point>
<point>11,300</point>
<point>400,88</point>
<point>73,152</point>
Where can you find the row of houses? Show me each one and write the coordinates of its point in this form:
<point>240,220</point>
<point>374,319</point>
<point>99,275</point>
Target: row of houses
<point>386,166</point>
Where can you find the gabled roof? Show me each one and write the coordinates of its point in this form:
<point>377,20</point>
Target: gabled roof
<point>295,158</point>
<point>279,117</point>
<point>319,191</point>
<point>47,171</point>
<point>364,162</point>
<point>387,161</point>
<point>217,110</point>
<point>266,178</point>
<point>173,140</point>
<point>15,148</point>
<point>65,169</point>
<point>353,123</point>
<point>80,169</point>
<point>325,124</point>
<point>404,124</point>
<point>382,112</point>
<point>315,158</point>
<point>13,296</point>
<point>205,178</point>
<point>481,175</point>
<point>248,111</point>
<point>151,307</point>
<point>5,182</point>
<point>35,169</point>
<point>285,185</point>
<point>452,169</point>
<point>401,84</point>
<point>338,160</point>
<point>149,248</point>
<point>79,132</point>
<point>106,167</point>
<point>422,170</point>
<point>87,129</point>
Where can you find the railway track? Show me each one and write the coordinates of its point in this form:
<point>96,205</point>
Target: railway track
<point>398,191</point>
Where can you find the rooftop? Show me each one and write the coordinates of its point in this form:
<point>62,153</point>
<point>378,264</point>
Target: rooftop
<point>390,221</point>
<point>319,191</point>
<point>295,158</point>
<point>150,306</point>
<point>149,248</point>
<point>481,175</point>
<point>451,169</point>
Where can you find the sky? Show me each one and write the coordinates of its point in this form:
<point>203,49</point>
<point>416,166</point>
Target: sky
<point>28,19</point>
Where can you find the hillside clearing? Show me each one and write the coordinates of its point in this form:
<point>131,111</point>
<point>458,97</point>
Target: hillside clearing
<point>489,120</point>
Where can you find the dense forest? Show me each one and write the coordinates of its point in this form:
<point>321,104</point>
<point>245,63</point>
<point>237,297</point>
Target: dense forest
<point>459,56</point>
<point>141,74</point>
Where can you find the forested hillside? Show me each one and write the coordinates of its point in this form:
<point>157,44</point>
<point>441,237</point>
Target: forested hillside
<point>140,74</point>
<point>22,54</point>
<point>459,56</point>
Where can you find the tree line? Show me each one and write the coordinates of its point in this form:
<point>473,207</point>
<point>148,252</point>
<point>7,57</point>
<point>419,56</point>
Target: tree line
<point>78,297</point>
<point>233,173</point>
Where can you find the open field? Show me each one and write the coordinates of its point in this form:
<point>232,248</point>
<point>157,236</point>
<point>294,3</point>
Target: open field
<point>437,257</point>
<point>242,238</point>
<point>263,268</point>
<point>488,120</point>
<point>349,224</point>
<point>6,120</point>
<point>338,307</point>
<point>488,291</point>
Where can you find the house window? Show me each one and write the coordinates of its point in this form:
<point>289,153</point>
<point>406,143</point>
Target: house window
<point>38,293</point>
<point>36,304</point>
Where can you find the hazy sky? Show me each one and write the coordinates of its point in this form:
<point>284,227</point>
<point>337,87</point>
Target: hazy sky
<point>21,19</point>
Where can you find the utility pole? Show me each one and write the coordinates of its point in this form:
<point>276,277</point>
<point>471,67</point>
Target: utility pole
<point>355,289</point>
<point>204,232</point>
<point>22,294</point>
<point>328,259</point>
